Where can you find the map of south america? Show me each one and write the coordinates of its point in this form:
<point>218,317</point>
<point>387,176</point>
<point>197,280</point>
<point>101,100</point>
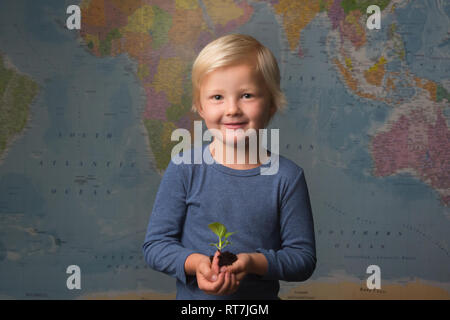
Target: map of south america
<point>17,92</point>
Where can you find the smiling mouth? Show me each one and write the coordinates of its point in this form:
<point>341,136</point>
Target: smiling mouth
<point>236,125</point>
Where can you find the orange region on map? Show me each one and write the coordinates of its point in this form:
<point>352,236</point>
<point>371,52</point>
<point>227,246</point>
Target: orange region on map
<point>352,83</point>
<point>375,74</point>
<point>93,13</point>
<point>296,15</point>
<point>390,85</point>
<point>136,45</point>
<point>430,86</point>
<point>186,27</point>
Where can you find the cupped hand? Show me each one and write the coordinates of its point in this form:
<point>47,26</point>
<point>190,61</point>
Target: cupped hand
<point>213,281</point>
<point>241,266</point>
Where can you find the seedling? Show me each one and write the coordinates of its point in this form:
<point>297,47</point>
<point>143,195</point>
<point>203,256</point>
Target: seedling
<point>221,231</point>
<point>225,258</point>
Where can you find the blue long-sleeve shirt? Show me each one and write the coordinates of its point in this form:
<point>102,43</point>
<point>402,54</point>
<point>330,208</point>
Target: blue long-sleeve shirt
<point>271,214</point>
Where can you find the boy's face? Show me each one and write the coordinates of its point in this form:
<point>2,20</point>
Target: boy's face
<point>235,97</point>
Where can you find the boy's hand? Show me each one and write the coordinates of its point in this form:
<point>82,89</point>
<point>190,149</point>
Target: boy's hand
<point>208,278</point>
<point>254,263</point>
<point>241,266</point>
<point>211,281</point>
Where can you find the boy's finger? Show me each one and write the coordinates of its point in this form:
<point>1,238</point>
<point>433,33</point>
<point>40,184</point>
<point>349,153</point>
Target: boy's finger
<point>211,276</point>
<point>215,262</point>
<point>240,276</point>
<point>235,284</point>
<point>232,269</point>
<point>236,267</point>
<point>213,287</point>
<point>226,284</point>
<point>207,272</point>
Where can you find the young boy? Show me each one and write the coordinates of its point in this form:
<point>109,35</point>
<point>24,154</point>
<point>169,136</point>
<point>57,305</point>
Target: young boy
<point>236,85</point>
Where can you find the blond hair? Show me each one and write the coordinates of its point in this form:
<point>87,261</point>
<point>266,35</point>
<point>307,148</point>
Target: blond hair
<point>233,49</point>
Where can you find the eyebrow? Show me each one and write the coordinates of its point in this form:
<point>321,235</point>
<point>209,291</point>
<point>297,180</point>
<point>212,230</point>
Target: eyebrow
<point>241,89</point>
<point>214,90</point>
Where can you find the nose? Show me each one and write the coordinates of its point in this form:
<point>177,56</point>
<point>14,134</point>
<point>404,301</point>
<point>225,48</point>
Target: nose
<point>232,107</point>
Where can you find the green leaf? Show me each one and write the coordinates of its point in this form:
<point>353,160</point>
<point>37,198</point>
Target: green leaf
<point>218,229</point>
<point>229,234</point>
<point>221,231</point>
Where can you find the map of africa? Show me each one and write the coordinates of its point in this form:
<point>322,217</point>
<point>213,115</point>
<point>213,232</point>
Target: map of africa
<point>86,118</point>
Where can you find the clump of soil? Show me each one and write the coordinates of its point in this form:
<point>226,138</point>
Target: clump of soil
<point>226,258</point>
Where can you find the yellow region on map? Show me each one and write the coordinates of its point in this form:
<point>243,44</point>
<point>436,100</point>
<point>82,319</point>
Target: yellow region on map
<point>186,4</point>
<point>141,20</point>
<point>359,291</point>
<point>131,295</point>
<point>221,12</point>
<point>169,78</point>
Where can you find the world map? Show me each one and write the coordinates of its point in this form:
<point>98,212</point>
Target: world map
<point>86,118</point>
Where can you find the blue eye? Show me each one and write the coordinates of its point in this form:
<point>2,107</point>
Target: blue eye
<point>247,95</point>
<point>217,97</point>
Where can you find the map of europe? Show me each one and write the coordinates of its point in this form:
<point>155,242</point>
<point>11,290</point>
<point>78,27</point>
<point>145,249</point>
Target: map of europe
<point>86,118</point>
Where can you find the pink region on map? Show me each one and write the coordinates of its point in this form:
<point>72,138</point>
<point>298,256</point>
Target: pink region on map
<point>439,146</point>
<point>202,40</point>
<point>114,18</point>
<point>412,143</point>
<point>353,30</point>
<point>336,13</point>
<point>157,104</point>
<point>185,122</point>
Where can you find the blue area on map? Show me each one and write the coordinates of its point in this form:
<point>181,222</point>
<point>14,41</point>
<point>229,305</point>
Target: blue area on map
<point>423,26</point>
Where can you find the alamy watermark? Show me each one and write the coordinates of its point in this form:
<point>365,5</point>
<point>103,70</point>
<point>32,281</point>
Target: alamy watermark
<point>249,143</point>
<point>374,20</point>
<point>74,280</point>
<point>374,281</point>
<point>73,22</point>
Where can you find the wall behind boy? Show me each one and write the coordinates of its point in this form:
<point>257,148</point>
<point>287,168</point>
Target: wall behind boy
<point>86,117</point>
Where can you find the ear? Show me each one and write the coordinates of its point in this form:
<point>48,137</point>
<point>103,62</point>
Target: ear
<point>272,110</point>
<point>200,110</point>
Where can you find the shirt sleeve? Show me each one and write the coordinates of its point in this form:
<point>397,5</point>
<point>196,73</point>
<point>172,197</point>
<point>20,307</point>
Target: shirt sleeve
<point>296,259</point>
<point>162,248</point>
